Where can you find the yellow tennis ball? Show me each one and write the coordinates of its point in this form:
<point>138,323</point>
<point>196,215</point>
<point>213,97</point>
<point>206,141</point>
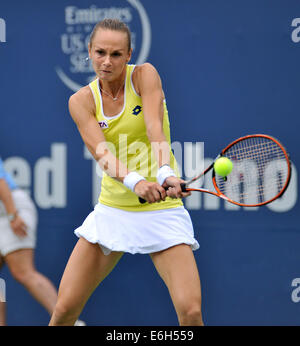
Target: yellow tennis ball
<point>223,166</point>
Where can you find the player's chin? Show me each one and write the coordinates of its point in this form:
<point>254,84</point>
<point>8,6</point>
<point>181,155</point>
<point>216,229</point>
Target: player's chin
<point>105,75</point>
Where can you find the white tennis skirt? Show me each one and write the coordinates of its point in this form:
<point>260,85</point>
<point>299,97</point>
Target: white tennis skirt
<point>9,241</point>
<point>137,232</point>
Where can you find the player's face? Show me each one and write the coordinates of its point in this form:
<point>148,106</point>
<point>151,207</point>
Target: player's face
<point>109,54</point>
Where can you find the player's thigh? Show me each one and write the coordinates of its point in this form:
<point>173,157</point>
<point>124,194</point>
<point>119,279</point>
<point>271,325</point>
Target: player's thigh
<point>86,268</point>
<point>178,269</point>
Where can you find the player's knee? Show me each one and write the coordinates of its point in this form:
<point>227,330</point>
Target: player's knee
<point>22,275</point>
<point>193,313</point>
<point>61,310</point>
<point>65,313</point>
<point>190,313</point>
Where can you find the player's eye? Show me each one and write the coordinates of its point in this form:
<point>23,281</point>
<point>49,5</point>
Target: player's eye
<point>116,54</point>
<point>100,52</point>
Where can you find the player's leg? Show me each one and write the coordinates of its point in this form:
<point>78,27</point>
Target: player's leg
<point>178,269</point>
<point>2,299</point>
<point>2,314</point>
<point>21,266</point>
<point>86,268</point>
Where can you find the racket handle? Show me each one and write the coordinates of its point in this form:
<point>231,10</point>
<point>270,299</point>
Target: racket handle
<point>182,185</point>
<point>142,200</point>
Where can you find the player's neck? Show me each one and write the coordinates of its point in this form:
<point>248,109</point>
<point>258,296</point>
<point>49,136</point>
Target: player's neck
<point>114,86</point>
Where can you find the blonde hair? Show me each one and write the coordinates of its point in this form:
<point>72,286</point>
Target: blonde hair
<point>112,24</point>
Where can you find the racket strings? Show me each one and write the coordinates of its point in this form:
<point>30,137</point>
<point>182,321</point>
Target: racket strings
<point>260,171</point>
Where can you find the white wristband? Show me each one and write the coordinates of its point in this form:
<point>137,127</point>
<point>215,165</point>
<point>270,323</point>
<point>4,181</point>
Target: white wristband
<point>163,173</point>
<point>132,179</point>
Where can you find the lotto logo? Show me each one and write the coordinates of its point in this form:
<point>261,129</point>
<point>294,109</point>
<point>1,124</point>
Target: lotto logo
<point>137,110</point>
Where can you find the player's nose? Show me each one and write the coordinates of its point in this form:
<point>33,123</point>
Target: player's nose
<point>107,61</point>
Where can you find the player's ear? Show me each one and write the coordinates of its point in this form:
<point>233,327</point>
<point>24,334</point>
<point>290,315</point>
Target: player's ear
<point>89,49</point>
<point>129,55</point>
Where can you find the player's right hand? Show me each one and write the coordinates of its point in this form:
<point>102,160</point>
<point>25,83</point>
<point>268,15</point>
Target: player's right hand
<point>172,185</point>
<point>150,191</point>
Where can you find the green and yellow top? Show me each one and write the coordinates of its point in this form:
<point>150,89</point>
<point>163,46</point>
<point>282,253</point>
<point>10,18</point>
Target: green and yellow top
<point>127,139</point>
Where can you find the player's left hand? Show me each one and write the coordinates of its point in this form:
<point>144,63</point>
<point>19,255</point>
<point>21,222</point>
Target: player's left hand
<point>172,184</point>
<point>19,227</point>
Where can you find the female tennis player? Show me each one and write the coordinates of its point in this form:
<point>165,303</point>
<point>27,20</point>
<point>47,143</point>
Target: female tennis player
<point>123,120</point>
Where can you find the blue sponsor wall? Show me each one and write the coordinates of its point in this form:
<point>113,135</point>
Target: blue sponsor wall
<point>229,68</point>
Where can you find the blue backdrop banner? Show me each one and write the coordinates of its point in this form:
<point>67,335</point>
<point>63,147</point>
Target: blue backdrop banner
<point>228,68</point>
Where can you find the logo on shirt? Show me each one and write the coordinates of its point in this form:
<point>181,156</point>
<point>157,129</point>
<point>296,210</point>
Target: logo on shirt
<point>137,110</point>
<point>103,124</point>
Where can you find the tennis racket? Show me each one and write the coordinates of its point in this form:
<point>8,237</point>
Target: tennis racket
<point>261,172</point>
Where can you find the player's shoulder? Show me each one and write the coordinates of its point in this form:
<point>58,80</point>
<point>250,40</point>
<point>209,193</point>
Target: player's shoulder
<point>82,94</point>
<point>145,74</point>
<point>82,100</point>
<point>146,68</point>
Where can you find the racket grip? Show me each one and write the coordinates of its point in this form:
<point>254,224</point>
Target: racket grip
<point>142,200</point>
<point>182,185</point>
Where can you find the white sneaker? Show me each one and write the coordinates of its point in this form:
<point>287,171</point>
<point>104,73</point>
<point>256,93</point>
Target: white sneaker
<point>79,323</point>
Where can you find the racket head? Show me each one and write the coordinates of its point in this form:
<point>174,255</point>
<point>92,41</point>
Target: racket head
<point>261,171</point>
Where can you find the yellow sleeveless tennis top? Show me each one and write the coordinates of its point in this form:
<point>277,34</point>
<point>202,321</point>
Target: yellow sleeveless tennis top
<point>125,134</point>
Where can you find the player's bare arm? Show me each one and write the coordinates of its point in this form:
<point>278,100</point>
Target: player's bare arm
<point>17,224</point>
<point>82,110</point>
<point>149,86</point>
